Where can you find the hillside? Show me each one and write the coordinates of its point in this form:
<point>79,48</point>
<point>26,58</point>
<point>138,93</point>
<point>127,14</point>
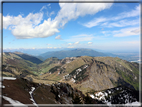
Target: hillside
<point>22,92</point>
<point>19,64</point>
<point>72,53</point>
<point>96,73</point>
<point>84,73</point>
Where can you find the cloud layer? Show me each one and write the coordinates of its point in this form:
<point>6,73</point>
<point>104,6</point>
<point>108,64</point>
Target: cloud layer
<point>33,25</point>
<point>113,21</point>
<point>58,37</point>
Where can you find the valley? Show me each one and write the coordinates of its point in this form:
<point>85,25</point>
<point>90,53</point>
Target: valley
<point>86,74</point>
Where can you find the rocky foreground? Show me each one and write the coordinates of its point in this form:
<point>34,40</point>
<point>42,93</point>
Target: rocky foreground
<point>21,92</point>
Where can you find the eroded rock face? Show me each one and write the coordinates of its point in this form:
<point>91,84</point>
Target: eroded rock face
<point>100,76</point>
<point>104,75</point>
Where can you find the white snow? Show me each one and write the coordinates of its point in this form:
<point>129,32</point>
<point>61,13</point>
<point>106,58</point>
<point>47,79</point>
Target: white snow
<point>79,69</point>
<point>134,104</point>
<point>109,92</point>
<point>85,66</point>
<point>1,86</point>
<point>68,61</point>
<point>48,84</point>
<point>117,88</point>
<point>66,76</point>
<point>8,78</point>
<point>14,102</point>
<point>100,96</point>
<point>92,96</point>
<point>33,88</point>
<point>106,94</point>
<point>72,80</point>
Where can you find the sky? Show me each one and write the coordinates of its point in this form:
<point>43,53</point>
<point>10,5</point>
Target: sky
<point>104,26</point>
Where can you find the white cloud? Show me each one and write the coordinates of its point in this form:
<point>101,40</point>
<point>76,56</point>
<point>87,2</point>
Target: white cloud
<point>43,7</point>
<point>127,32</point>
<point>81,37</point>
<point>73,11</point>
<point>132,13</point>
<point>94,22</point>
<point>69,44</point>
<point>52,13</point>
<point>123,23</point>
<point>46,29</point>
<point>89,42</point>
<point>49,47</point>
<point>58,37</point>
<point>48,4</point>
<point>31,26</point>
<point>76,43</point>
<point>30,19</point>
<point>104,21</point>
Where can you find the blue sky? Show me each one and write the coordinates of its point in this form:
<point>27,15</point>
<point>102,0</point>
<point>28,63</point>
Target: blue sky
<point>105,26</point>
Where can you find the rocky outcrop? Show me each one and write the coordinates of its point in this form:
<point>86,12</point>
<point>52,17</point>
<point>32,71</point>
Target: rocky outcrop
<point>22,90</point>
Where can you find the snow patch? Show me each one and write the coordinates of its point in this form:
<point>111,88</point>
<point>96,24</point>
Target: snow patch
<point>9,78</point>
<point>14,102</point>
<point>48,84</point>
<point>73,80</point>
<point>1,86</point>
<point>92,96</point>
<point>33,88</point>
<point>134,104</point>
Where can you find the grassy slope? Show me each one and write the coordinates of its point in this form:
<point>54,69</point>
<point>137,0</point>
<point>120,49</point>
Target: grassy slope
<point>44,67</point>
<point>128,74</point>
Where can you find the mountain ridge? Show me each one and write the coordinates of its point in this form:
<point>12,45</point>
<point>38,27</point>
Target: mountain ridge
<point>78,69</point>
<point>72,53</point>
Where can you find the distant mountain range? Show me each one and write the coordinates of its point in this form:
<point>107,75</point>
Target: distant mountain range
<point>67,52</point>
<point>134,57</point>
<point>72,53</point>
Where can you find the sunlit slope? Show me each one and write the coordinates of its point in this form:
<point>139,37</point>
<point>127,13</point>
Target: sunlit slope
<point>97,73</point>
<point>84,72</point>
<point>15,64</point>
